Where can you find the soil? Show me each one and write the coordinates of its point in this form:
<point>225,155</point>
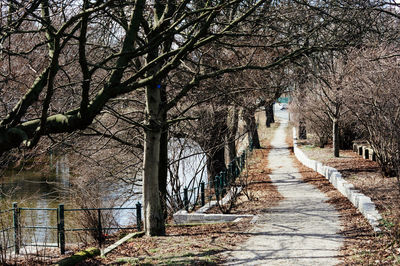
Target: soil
<point>203,244</point>
<point>198,244</point>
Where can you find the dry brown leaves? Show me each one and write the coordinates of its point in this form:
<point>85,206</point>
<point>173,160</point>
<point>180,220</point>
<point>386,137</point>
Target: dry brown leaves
<point>361,246</point>
<point>203,244</point>
<point>259,194</point>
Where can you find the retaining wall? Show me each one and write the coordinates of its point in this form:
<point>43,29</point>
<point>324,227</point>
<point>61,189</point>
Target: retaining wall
<point>359,200</point>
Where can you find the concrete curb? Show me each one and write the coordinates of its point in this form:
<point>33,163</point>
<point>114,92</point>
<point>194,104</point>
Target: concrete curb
<point>359,200</point>
<point>120,242</point>
<point>183,217</point>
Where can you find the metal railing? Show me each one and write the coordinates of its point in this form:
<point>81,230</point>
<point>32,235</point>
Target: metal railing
<point>218,186</point>
<point>61,229</point>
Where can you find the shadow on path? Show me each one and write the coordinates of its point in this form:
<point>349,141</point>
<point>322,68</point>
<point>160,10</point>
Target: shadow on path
<point>301,230</point>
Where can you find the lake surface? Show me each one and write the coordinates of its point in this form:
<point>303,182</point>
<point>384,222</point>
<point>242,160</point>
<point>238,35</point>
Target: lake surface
<point>31,189</point>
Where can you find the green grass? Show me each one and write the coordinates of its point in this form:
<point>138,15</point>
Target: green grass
<point>79,256</point>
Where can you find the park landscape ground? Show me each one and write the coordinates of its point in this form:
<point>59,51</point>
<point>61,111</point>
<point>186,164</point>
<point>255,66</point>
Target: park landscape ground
<point>362,245</point>
<point>207,244</point>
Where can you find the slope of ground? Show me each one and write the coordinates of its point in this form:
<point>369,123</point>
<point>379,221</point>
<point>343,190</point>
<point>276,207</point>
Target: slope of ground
<point>203,244</point>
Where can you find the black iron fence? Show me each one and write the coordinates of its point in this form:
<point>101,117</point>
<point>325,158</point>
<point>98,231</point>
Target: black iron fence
<point>217,186</point>
<point>12,233</point>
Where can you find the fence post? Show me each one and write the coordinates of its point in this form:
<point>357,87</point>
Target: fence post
<point>216,187</point>
<point>237,169</point>
<point>99,227</point>
<point>230,172</point>
<point>234,169</point>
<point>61,228</point>
<point>16,212</point>
<point>186,199</point>
<point>202,194</point>
<point>223,183</point>
<point>139,216</point>
<point>243,160</point>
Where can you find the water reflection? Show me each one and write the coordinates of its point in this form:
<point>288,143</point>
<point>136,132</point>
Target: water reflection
<point>32,189</point>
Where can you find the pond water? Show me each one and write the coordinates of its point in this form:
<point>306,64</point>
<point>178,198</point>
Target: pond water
<point>31,189</point>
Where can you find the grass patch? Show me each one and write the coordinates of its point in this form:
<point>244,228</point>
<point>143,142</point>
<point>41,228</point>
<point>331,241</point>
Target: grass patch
<point>79,256</point>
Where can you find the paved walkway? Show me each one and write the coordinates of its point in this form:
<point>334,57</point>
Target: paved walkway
<point>301,230</point>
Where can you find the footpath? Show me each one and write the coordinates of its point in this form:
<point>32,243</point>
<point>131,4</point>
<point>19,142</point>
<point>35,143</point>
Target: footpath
<point>301,230</point>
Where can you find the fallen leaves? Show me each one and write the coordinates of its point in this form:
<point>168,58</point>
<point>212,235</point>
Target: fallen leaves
<point>361,246</point>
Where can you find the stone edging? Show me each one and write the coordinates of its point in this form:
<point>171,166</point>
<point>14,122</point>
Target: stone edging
<point>120,242</point>
<point>183,217</point>
<point>359,200</point>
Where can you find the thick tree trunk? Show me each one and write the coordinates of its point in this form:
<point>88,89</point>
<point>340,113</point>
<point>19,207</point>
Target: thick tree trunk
<point>153,215</point>
<point>232,122</point>
<point>163,165</point>
<point>154,218</point>
<point>251,128</point>
<point>336,137</point>
<point>269,113</point>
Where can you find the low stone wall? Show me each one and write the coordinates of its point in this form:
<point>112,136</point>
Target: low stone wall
<point>359,200</point>
<point>183,217</point>
<point>364,150</point>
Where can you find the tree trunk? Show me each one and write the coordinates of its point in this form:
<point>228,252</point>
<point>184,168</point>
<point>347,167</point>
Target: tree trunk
<point>336,136</point>
<point>232,122</point>
<point>323,140</point>
<point>269,113</point>
<point>153,215</point>
<point>163,165</point>
<point>212,136</point>
<point>251,128</point>
<point>302,129</point>
<point>216,162</point>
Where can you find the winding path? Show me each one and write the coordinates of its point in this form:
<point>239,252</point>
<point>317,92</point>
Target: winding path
<point>301,230</point>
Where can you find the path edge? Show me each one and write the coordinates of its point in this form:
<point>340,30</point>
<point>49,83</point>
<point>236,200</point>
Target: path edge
<point>363,203</point>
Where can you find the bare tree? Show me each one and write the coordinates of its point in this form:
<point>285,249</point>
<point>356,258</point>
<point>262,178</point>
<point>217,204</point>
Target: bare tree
<point>375,101</point>
<point>64,63</point>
